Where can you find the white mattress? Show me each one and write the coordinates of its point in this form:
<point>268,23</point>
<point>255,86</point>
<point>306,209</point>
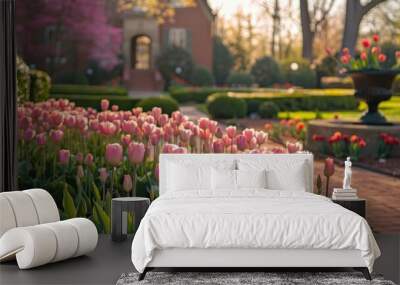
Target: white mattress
<point>250,219</point>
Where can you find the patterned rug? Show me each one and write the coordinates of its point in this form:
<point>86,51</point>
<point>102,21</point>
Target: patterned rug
<point>243,278</point>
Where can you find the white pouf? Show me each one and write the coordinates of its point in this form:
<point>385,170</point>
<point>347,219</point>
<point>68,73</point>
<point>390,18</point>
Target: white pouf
<point>31,232</point>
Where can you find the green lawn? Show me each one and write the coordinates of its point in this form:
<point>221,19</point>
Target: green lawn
<point>391,109</point>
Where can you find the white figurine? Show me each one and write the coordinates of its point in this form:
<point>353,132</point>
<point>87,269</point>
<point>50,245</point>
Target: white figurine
<point>347,174</point>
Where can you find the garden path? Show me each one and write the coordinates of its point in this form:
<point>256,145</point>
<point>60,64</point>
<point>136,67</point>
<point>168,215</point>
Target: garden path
<point>143,94</point>
<point>192,112</point>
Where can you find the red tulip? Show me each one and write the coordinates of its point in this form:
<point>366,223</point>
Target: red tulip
<point>345,51</point>
<point>363,55</point>
<point>63,156</point>
<point>375,50</point>
<point>365,43</point>
<point>382,57</point>
<point>375,38</point>
<point>329,168</point>
<point>398,54</point>
<point>114,153</point>
<point>136,152</point>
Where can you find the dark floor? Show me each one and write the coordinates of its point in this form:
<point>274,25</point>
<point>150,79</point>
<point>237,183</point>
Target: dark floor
<point>110,260</point>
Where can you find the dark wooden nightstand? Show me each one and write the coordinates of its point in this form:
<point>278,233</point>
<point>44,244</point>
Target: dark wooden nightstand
<point>358,206</point>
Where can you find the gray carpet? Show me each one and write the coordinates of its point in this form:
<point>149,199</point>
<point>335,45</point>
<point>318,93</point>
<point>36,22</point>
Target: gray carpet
<point>269,278</point>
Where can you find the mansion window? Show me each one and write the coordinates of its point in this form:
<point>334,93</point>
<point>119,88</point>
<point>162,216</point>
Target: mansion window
<point>177,37</point>
<point>141,52</point>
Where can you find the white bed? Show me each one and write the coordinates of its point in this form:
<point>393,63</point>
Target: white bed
<point>226,226</point>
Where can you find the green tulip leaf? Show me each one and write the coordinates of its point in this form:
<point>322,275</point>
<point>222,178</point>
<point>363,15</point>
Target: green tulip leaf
<point>104,218</point>
<point>96,192</point>
<point>68,204</point>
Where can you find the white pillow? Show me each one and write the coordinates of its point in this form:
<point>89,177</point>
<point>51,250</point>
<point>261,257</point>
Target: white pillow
<point>223,179</point>
<point>293,180</point>
<point>184,177</point>
<point>251,178</point>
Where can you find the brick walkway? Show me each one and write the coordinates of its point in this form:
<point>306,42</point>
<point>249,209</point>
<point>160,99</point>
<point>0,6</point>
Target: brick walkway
<point>381,192</point>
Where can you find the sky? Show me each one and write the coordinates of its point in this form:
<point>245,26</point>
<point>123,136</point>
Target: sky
<point>227,8</point>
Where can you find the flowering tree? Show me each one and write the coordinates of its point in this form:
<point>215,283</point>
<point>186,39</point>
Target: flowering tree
<point>52,31</point>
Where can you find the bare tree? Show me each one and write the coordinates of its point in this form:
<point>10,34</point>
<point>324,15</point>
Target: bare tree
<point>355,11</point>
<point>274,13</point>
<point>311,21</point>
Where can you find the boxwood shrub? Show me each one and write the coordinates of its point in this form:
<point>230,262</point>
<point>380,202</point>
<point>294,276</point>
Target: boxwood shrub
<point>302,99</point>
<point>167,104</point>
<point>124,102</point>
<point>75,89</point>
<point>268,110</point>
<point>222,106</point>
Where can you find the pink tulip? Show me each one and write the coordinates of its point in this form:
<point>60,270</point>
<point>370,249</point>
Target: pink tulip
<point>241,142</point>
<point>36,113</point>
<point>25,123</point>
<point>114,108</point>
<point>136,152</point>
<point>156,112</point>
<point>231,131</point>
<point>248,133</point>
<point>70,121</point>
<point>169,148</point>
<point>56,118</point>
<point>127,184</point>
<point>107,128</point>
<point>185,135</point>
<point>227,141</point>
<point>294,147</point>
<point>252,143</point>
<point>103,175</point>
<point>56,136</point>
<point>278,150</point>
<point>213,126</point>
<point>261,137</point>
<point>81,122</point>
<point>137,111</point>
<point>41,139</point>
<point>89,159</point>
<point>94,125</point>
<point>218,146</point>
<point>129,127</point>
<point>63,156</point>
<point>163,120</point>
<point>79,157</point>
<point>114,153</point>
<point>29,134</point>
<point>177,117</point>
<point>105,104</point>
<point>203,123</point>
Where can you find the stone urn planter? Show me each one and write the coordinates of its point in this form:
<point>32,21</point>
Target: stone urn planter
<point>373,87</point>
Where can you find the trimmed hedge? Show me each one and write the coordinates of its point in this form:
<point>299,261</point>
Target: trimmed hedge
<point>40,85</point>
<point>222,106</point>
<point>73,89</point>
<point>268,110</point>
<point>124,102</point>
<point>301,99</point>
<point>167,104</point>
<point>198,95</point>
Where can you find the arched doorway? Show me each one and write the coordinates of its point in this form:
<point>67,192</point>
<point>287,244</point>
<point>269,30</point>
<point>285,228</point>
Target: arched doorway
<point>141,52</point>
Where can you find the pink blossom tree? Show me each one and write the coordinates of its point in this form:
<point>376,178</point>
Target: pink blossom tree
<point>66,34</point>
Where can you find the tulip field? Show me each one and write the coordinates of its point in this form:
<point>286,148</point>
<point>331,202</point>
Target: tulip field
<point>84,158</point>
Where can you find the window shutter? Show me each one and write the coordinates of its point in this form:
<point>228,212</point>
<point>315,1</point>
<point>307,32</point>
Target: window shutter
<point>189,41</point>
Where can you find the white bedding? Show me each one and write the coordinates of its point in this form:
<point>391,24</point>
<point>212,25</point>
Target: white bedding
<point>251,218</point>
